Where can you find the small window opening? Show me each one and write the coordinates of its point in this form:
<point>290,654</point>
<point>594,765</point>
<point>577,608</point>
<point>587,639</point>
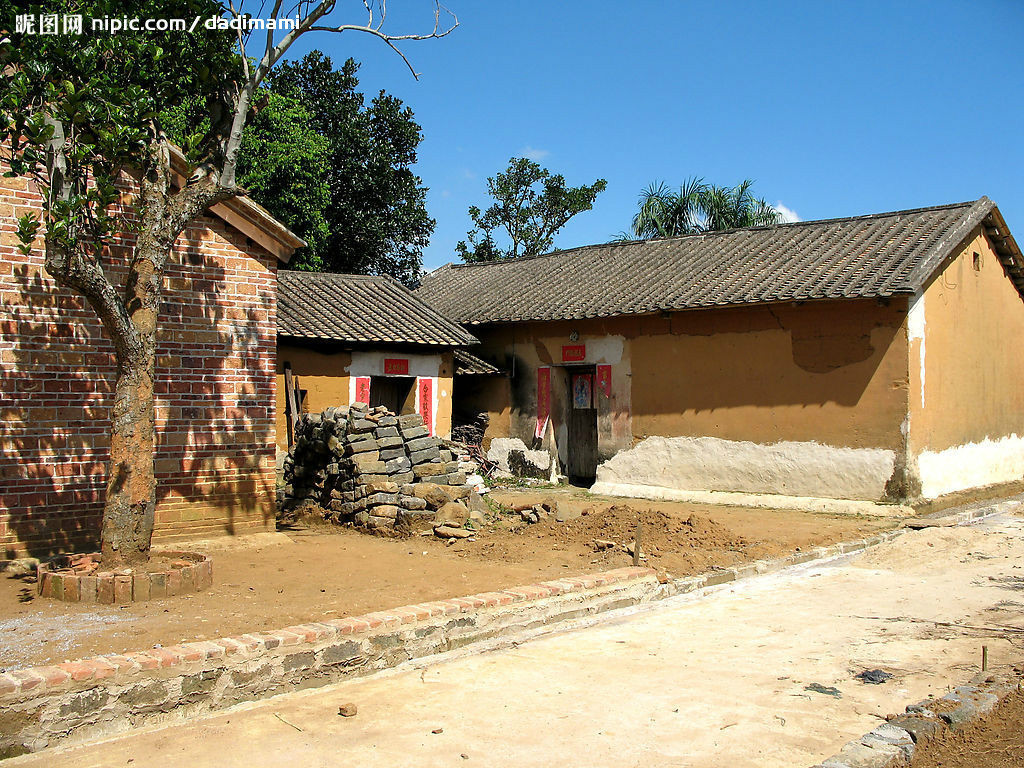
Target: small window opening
<point>977,261</point>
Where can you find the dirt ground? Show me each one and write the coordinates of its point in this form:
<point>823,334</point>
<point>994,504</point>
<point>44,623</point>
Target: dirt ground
<point>311,573</point>
<point>995,741</point>
<point>761,673</point>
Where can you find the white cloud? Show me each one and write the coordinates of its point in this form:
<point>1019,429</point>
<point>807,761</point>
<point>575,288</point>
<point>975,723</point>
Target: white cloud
<point>533,154</point>
<point>788,214</point>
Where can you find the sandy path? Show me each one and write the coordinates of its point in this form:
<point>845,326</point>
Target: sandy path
<point>707,680</point>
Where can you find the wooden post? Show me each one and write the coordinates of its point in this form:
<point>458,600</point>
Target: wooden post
<point>290,407</point>
<point>636,542</point>
<point>984,658</point>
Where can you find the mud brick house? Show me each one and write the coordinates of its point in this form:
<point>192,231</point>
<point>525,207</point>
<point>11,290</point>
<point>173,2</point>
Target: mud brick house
<point>876,357</point>
<point>215,385</point>
<point>364,339</point>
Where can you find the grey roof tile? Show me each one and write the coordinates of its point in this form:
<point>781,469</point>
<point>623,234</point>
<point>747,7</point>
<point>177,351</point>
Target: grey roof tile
<point>865,256</point>
<point>359,309</point>
<point>471,365</point>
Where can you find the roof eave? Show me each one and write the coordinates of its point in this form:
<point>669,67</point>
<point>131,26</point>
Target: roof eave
<point>246,215</point>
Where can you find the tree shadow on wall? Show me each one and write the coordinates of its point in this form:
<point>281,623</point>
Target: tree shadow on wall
<point>214,399</point>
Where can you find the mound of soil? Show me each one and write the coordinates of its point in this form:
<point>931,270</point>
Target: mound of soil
<point>661,531</point>
<point>995,741</point>
<point>681,543</point>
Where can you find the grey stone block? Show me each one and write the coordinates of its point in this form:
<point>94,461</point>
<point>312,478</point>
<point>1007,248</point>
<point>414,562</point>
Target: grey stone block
<point>390,442</point>
<point>361,425</point>
<point>411,433</point>
<point>398,465</point>
<point>424,456</point>
<point>375,499</point>
<point>386,432</point>
<point>362,446</point>
<point>392,453</point>
<point>421,443</point>
<point>412,502</point>
<point>402,478</point>
<point>410,420</point>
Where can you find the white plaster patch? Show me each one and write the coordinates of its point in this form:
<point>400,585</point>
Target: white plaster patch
<point>916,330</point>
<point>605,349</point>
<point>372,364</point>
<point>804,469</point>
<point>972,465</point>
<point>754,500</point>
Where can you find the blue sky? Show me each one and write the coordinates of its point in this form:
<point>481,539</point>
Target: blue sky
<point>833,108</point>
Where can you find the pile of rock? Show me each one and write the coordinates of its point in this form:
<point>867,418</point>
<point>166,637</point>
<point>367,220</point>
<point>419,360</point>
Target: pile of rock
<point>472,432</point>
<point>366,466</point>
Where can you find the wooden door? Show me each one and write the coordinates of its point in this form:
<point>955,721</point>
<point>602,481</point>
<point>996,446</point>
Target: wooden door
<point>582,426</point>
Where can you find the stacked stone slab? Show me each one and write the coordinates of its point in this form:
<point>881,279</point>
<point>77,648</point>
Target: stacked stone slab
<point>363,465</point>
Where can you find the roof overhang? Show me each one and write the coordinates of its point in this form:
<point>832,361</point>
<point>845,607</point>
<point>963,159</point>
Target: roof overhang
<point>244,214</point>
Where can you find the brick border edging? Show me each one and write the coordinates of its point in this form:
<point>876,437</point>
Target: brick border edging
<point>892,744</point>
<point>112,588</point>
<point>98,696</point>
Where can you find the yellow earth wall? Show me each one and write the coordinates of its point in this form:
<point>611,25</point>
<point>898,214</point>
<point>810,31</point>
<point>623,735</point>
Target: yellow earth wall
<point>967,375</point>
<point>327,377</point>
<point>323,375</point>
<point>800,400</point>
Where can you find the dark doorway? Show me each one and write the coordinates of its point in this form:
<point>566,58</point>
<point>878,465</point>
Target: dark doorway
<point>581,466</point>
<point>393,392</point>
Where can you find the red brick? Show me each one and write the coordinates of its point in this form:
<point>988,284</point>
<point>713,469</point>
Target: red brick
<point>105,590</point>
<point>79,670</point>
<point>9,685</point>
<point>144,660</point>
<point>54,675</point>
<point>28,678</point>
<point>173,582</point>
<point>140,587</point>
<point>168,657</point>
<point>103,668</point>
<point>122,590</point>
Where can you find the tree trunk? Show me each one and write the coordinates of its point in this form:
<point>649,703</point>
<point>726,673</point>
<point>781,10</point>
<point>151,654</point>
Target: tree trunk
<point>128,513</point>
<point>129,509</point>
<point>130,320</point>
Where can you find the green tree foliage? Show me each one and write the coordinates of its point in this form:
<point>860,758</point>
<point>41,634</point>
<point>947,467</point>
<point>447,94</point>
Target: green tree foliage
<point>531,205</point>
<point>284,163</point>
<point>84,114</point>
<point>375,214</point>
<point>699,207</point>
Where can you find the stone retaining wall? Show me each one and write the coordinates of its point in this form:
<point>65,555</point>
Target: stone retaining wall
<point>82,700</point>
<point>892,744</point>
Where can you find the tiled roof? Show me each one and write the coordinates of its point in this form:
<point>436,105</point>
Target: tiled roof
<point>359,309</point>
<point>865,256</point>
<point>471,365</point>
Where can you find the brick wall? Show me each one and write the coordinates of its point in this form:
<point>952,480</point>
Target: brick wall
<point>215,392</point>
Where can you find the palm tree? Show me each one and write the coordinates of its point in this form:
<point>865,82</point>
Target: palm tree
<point>699,207</point>
<point>731,208</point>
<point>667,213</point>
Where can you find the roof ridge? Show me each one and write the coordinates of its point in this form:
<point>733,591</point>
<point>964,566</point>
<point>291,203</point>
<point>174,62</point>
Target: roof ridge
<point>715,233</point>
<point>345,275</point>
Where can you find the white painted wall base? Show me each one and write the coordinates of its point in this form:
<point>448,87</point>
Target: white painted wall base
<point>971,465</point>
<point>754,500</point>
<point>799,469</point>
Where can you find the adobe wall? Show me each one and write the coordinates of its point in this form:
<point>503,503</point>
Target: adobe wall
<point>801,400</point>
<point>967,375</point>
<point>215,392</point>
<point>329,375</point>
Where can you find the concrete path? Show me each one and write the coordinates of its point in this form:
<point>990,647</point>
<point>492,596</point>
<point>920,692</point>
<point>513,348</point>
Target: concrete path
<point>706,680</point>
